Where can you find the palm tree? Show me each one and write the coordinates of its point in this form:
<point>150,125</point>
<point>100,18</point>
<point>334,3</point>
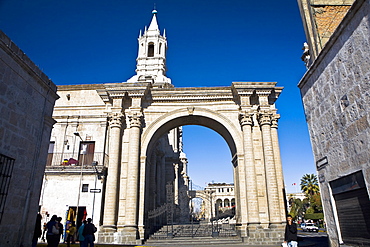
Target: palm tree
<point>309,184</point>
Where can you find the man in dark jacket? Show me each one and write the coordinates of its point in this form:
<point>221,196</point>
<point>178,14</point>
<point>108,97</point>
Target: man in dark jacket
<point>61,230</point>
<point>88,233</point>
<point>290,232</point>
<point>52,234</point>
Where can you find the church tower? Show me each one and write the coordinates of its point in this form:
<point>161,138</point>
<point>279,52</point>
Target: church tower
<point>151,59</point>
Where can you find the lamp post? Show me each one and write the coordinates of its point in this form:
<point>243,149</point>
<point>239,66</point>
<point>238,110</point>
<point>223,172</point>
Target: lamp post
<point>97,176</point>
<point>83,151</point>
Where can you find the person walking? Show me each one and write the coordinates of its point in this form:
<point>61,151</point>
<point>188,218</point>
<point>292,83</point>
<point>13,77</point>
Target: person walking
<point>88,233</point>
<point>61,230</point>
<point>52,234</point>
<point>37,232</point>
<point>290,236</point>
<point>80,236</point>
<point>71,234</point>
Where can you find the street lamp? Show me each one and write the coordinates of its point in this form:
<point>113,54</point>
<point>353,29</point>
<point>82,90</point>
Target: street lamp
<point>83,151</point>
<point>97,176</point>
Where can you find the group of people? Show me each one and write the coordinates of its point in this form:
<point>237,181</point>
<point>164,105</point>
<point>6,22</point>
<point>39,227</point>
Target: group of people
<point>54,232</point>
<point>85,233</point>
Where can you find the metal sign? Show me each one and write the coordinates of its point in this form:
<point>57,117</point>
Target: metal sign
<point>95,190</point>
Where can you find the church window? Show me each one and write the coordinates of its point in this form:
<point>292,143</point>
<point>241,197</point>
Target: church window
<point>151,50</point>
<point>160,48</point>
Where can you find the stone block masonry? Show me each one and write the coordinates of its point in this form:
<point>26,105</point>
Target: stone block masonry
<point>27,98</point>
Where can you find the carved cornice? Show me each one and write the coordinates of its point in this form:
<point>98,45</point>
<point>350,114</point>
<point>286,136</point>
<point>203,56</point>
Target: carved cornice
<point>191,94</point>
<point>115,119</point>
<point>121,90</point>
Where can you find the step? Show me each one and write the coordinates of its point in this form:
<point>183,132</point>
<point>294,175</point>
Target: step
<point>193,241</point>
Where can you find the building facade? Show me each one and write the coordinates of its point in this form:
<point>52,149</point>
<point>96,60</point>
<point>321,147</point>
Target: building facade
<point>335,93</point>
<point>129,134</point>
<point>27,97</point>
<point>221,201</point>
<point>320,18</point>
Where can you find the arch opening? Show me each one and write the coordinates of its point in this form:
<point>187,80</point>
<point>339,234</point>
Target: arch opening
<point>151,49</point>
<point>166,177</point>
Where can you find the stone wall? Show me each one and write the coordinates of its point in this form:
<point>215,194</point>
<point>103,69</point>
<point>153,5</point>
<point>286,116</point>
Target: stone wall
<point>27,98</point>
<point>335,92</point>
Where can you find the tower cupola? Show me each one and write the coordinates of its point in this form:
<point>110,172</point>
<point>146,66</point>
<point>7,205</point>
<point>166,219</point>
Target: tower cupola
<point>151,59</point>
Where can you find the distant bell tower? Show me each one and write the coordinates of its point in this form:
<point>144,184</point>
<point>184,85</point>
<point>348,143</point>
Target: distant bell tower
<point>151,59</point>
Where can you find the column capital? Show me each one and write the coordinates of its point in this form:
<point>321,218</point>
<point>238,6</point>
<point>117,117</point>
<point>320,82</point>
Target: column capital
<point>274,120</point>
<point>136,119</point>
<point>115,119</point>
<point>246,119</point>
<point>264,118</point>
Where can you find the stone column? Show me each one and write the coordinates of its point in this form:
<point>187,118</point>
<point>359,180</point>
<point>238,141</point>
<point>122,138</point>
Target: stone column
<point>184,171</point>
<point>112,189</point>
<point>278,165</point>
<point>268,152</point>
<point>153,182</point>
<point>176,183</point>
<point>130,227</point>
<point>246,122</point>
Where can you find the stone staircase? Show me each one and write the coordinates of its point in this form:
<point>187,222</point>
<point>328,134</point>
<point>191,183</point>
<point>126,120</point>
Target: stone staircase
<point>190,234</point>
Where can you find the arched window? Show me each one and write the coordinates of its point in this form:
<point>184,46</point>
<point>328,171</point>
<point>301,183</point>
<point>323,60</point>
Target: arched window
<point>151,50</point>
<point>227,203</point>
<point>160,48</point>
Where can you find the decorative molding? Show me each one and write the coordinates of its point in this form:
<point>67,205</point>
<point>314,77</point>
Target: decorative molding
<point>274,120</point>
<point>191,110</point>
<point>115,119</point>
<point>246,119</point>
<point>264,118</point>
<point>135,119</point>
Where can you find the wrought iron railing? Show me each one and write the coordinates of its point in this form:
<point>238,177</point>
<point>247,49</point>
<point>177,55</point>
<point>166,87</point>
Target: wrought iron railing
<point>70,159</point>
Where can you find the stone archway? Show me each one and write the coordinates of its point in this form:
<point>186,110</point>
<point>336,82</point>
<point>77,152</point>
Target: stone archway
<point>165,123</point>
<point>244,114</point>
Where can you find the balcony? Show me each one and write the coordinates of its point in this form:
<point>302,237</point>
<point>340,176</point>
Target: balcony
<point>76,160</point>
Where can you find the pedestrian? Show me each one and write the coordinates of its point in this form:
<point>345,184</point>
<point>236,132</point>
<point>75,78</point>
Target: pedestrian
<point>44,231</point>
<point>88,233</point>
<point>71,234</point>
<point>290,236</point>
<point>61,230</point>
<point>37,232</point>
<point>52,234</point>
<point>80,237</point>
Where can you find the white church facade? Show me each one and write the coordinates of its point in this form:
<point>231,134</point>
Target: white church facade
<point>116,151</point>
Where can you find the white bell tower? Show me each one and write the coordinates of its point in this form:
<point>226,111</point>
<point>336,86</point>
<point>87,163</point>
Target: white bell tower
<point>151,59</point>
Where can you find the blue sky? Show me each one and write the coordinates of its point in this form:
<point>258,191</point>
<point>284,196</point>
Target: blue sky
<point>210,43</point>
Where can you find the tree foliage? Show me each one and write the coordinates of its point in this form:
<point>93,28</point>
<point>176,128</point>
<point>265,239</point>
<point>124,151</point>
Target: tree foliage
<point>311,206</point>
<point>298,207</point>
<point>309,185</point>
<point>315,203</point>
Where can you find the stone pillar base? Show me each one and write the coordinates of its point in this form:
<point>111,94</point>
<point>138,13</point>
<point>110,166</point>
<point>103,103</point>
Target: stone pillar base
<point>127,236</point>
<point>255,234</point>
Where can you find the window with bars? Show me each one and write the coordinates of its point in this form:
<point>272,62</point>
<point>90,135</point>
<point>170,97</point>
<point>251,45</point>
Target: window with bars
<point>6,169</point>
